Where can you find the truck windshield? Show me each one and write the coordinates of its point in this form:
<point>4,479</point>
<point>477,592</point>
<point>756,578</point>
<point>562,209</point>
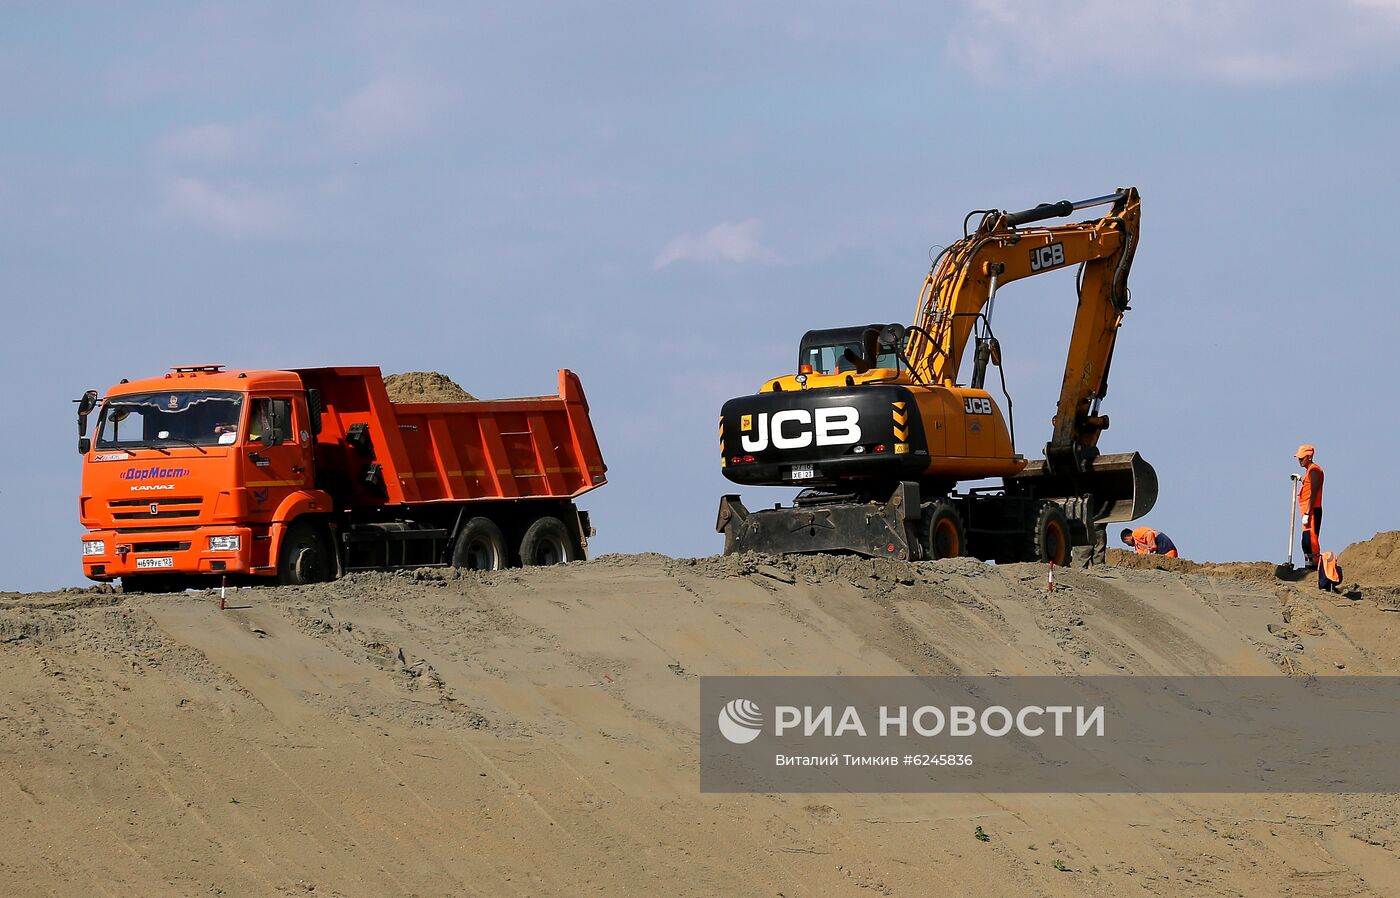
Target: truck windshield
<point>185,418</point>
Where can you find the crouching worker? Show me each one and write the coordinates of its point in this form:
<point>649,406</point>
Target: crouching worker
<point>1146,541</point>
<point>1329,572</point>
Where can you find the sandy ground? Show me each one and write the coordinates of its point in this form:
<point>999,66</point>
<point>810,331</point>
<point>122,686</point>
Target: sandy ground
<point>529,733</point>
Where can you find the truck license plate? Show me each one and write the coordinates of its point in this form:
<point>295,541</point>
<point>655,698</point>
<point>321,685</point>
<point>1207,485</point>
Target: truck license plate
<point>803,472</point>
<point>160,561</point>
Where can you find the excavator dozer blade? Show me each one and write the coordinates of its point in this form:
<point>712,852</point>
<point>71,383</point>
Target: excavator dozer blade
<point>1123,487</point>
<point>872,529</point>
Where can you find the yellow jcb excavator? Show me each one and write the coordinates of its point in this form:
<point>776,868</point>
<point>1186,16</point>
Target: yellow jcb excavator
<point>877,430</point>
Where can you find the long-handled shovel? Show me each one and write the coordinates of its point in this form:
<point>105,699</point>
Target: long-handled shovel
<point>1294,483</point>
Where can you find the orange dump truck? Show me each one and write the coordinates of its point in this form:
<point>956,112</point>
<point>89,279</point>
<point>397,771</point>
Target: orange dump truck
<point>300,475</point>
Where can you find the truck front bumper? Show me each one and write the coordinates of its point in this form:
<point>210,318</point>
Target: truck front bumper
<point>166,552</point>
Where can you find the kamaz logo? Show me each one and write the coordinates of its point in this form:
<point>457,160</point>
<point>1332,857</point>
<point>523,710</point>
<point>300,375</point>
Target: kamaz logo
<point>799,428</point>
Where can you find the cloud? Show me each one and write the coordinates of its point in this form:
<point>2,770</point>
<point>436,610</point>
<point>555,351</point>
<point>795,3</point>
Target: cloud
<point>214,142</point>
<point>383,113</point>
<point>386,111</point>
<point>239,211</point>
<point>728,241</point>
<point>1241,42</point>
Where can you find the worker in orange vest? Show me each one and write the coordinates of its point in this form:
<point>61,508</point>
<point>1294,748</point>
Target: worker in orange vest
<point>1146,541</point>
<point>1329,572</point>
<point>1310,504</point>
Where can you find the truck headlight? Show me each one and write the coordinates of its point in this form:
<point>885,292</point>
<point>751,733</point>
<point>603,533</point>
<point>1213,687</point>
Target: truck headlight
<point>94,547</point>
<point>225,543</point>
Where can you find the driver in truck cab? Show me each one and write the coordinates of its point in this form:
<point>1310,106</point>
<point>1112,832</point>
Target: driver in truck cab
<point>228,433</point>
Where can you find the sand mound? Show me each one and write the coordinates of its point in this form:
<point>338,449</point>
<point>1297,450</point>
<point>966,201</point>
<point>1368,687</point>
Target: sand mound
<point>424,386</point>
<point>1264,572</point>
<point>1375,562</point>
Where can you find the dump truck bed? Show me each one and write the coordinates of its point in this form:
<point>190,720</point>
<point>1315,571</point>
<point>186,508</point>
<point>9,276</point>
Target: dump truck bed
<point>429,452</point>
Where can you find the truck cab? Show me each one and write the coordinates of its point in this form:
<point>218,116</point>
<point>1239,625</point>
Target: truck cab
<point>187,473</point>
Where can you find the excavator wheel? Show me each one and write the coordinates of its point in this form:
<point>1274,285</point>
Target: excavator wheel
<point>943,533</point>
<point>1050,540</point>
<point>480,546</point>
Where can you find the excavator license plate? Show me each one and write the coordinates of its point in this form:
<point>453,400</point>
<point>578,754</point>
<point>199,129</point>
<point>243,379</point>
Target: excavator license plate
<point>803,472</point>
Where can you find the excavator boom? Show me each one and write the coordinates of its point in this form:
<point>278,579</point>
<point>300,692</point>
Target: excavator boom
<point>961,289</point>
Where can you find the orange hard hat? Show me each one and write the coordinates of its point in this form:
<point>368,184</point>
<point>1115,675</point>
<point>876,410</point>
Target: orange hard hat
<point>1304,451</point>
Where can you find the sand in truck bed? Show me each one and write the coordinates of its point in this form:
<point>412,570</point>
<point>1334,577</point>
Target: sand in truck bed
<point>424,386</point>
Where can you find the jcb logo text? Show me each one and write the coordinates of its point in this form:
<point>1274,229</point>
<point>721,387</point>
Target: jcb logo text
<point>799,428</point>
<point>1044,257</point>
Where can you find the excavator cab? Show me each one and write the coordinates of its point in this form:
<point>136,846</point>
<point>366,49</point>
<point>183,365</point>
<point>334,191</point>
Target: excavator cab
<point>839,350</point>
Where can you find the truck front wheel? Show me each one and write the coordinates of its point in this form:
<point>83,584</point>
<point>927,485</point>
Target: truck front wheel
<point>306,555</point>
<point>480,546</point>
<point>547,541</point>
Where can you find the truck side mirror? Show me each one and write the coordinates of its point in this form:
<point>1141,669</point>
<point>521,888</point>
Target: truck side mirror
<point>86,403</point>
<point>315,405</point>
<point>273,420</point>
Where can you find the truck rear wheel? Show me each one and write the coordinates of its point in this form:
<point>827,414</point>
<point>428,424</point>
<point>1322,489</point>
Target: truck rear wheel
<point>480,546</point>
<point>943,532</point>
<point>305,556</point>
<point>547,541</point>
<point>1050,539</point>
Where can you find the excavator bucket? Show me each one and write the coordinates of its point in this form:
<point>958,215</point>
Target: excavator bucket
<point>1122,487</point>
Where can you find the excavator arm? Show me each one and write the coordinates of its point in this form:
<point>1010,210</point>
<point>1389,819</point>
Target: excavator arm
<point>958,299</point>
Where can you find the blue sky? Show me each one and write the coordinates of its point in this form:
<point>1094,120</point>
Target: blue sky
<point>664,199</point>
